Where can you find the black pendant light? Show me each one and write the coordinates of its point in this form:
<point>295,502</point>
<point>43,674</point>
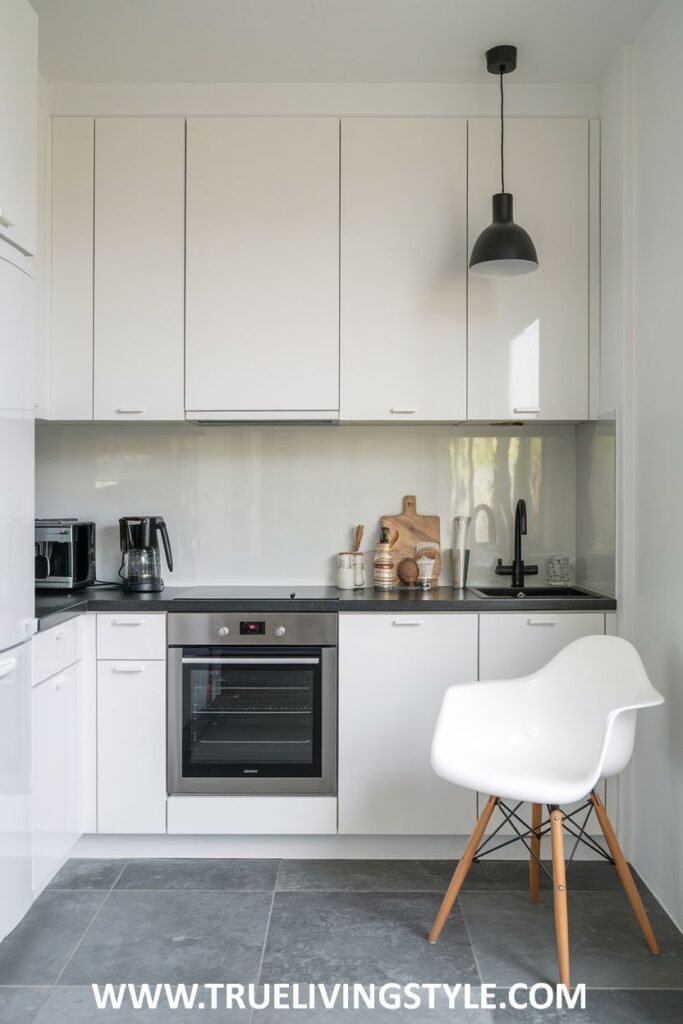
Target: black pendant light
<point>503,249</point>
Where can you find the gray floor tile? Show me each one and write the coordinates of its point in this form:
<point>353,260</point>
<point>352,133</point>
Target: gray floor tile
<point>439,1015</point>
<point>514,941</point>
<point>173,937</point>
<point>432,876</point>
<point>606,1007</point>
<point>240,874</point>
<point>513,876</point>
<point>591,876</point>
<point>20,1005</point>
<point>87,874</point>
<point>39,947</point>
<point>363,937</point>
<point>364,875</point>
<point>77,1006</point>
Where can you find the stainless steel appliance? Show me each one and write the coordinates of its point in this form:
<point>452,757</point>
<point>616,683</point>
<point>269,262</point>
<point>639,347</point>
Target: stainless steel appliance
<point>252,703</point>
<point>64,554</point>
<point>140,557</point>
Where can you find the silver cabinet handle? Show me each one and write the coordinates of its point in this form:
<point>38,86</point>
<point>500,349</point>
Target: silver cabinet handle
<point>403,412</point>
<point>251,661</point>
<point>132,621</point>
<point>7,666</point>
<point>131,411</point>
<point>521,409</point>
<point>539,621</point>
<point>127,669</point>
<point>406,622</point>
<point>4,222</point>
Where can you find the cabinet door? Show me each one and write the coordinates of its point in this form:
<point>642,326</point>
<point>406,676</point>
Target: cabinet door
<point>514,644</point>
<point>403,269</point>
<point>55,806</point>
<point>18,123</point>
<point>71,271</point>
<point>528,336</point>
<point>15,740</point>
<point>393,673</point>
<point>139,268</point>
<point>17,302</point>
<point>263,267</point>
<point>131,746</point>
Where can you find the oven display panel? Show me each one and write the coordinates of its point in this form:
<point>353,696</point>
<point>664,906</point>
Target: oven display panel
<point>252,628</point>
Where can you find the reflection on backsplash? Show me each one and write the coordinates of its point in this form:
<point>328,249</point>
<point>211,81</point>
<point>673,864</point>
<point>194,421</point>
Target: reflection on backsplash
<point>595,514</point>
<point>268,504</point>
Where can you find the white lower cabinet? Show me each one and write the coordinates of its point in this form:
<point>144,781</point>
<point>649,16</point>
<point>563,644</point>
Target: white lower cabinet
<point>252,815</point>
<point>55,772</point>
<point>393,672</point>
<point>131,746</point>
<point>16,891</point>
<point>515,643</point>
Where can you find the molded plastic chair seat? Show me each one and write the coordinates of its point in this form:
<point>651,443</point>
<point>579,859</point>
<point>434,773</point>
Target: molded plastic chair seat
<point>546,738</point>
<point>550,736</point>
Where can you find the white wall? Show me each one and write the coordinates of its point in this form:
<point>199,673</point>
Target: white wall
<point>267,504</point>
<point>595,505</point>
<point>658,264</point>
<point>357,99</point>
<point>642,111</point>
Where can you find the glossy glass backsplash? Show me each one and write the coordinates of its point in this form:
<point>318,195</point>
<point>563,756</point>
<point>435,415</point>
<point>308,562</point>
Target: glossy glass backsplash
<point>270,504</point>
<point>596,460</point>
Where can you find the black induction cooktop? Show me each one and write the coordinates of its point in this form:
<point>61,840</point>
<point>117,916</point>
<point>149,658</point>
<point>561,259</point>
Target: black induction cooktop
<point>237,593</point>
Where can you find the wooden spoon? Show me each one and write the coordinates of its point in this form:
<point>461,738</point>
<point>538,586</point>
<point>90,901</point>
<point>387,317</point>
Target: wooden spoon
<point>358,537</point>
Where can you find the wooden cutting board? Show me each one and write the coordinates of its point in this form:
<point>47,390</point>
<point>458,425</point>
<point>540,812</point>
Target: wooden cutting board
<point>414,529</point>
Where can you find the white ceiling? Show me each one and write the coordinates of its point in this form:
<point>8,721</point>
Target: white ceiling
<point>329,40</point>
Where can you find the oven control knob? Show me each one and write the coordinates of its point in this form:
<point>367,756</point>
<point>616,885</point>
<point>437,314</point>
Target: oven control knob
<point>223,630</point>
<point>280,631</point>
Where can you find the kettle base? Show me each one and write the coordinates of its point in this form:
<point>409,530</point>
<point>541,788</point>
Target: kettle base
<point>143,586</point>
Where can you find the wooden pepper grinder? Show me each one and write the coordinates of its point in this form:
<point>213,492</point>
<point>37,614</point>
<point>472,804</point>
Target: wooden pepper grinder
<point>384,563</point>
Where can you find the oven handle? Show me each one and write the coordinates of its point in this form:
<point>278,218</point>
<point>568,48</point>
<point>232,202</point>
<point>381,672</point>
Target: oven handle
<point>251,661</point>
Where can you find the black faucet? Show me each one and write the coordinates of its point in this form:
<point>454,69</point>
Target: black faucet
<point>518,570</point>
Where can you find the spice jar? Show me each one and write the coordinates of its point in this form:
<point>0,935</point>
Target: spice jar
<point>384,563</point>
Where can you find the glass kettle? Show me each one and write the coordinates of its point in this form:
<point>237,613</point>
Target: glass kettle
<point>140,556</point>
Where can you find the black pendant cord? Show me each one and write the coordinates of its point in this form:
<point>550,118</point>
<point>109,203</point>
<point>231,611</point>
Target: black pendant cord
<point>502,137</point>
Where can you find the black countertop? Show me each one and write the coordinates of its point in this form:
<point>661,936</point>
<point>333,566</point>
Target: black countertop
<point>53,608</point>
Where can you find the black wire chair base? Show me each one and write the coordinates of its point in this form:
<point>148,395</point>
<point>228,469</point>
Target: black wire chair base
<point>527,832</point>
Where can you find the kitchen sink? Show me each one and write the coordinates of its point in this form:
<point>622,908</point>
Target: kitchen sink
<point>519,593</point>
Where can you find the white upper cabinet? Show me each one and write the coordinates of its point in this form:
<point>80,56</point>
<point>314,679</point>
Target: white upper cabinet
<point>69,391</point>
<point>403,269</point>
<point>528,336</point>
<point>139,268</point>
<point>262,328</point>
<point>18,123</point>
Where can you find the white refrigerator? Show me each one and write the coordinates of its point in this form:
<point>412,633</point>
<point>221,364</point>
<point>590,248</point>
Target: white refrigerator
<point>17,319</point>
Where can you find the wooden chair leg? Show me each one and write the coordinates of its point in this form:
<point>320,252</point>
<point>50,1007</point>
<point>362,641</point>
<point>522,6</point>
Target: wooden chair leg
<point>535,856</point>
<point>460,873</point>
<point>624,873</point>
<point>560,893</point>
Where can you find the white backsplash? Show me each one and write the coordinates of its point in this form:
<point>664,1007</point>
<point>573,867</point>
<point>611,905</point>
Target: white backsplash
<point>596,459</point>
<point>271,504</point>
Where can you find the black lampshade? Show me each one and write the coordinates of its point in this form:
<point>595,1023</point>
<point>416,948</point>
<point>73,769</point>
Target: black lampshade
<point>503,249</point>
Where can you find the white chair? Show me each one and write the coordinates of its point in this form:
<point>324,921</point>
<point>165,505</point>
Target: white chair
<point>547,738</point>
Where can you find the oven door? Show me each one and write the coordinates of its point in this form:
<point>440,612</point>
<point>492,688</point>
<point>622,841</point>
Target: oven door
<point>246,720</point>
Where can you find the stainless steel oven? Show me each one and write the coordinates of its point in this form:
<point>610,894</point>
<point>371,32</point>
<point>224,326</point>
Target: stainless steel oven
<point>252,703</point>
